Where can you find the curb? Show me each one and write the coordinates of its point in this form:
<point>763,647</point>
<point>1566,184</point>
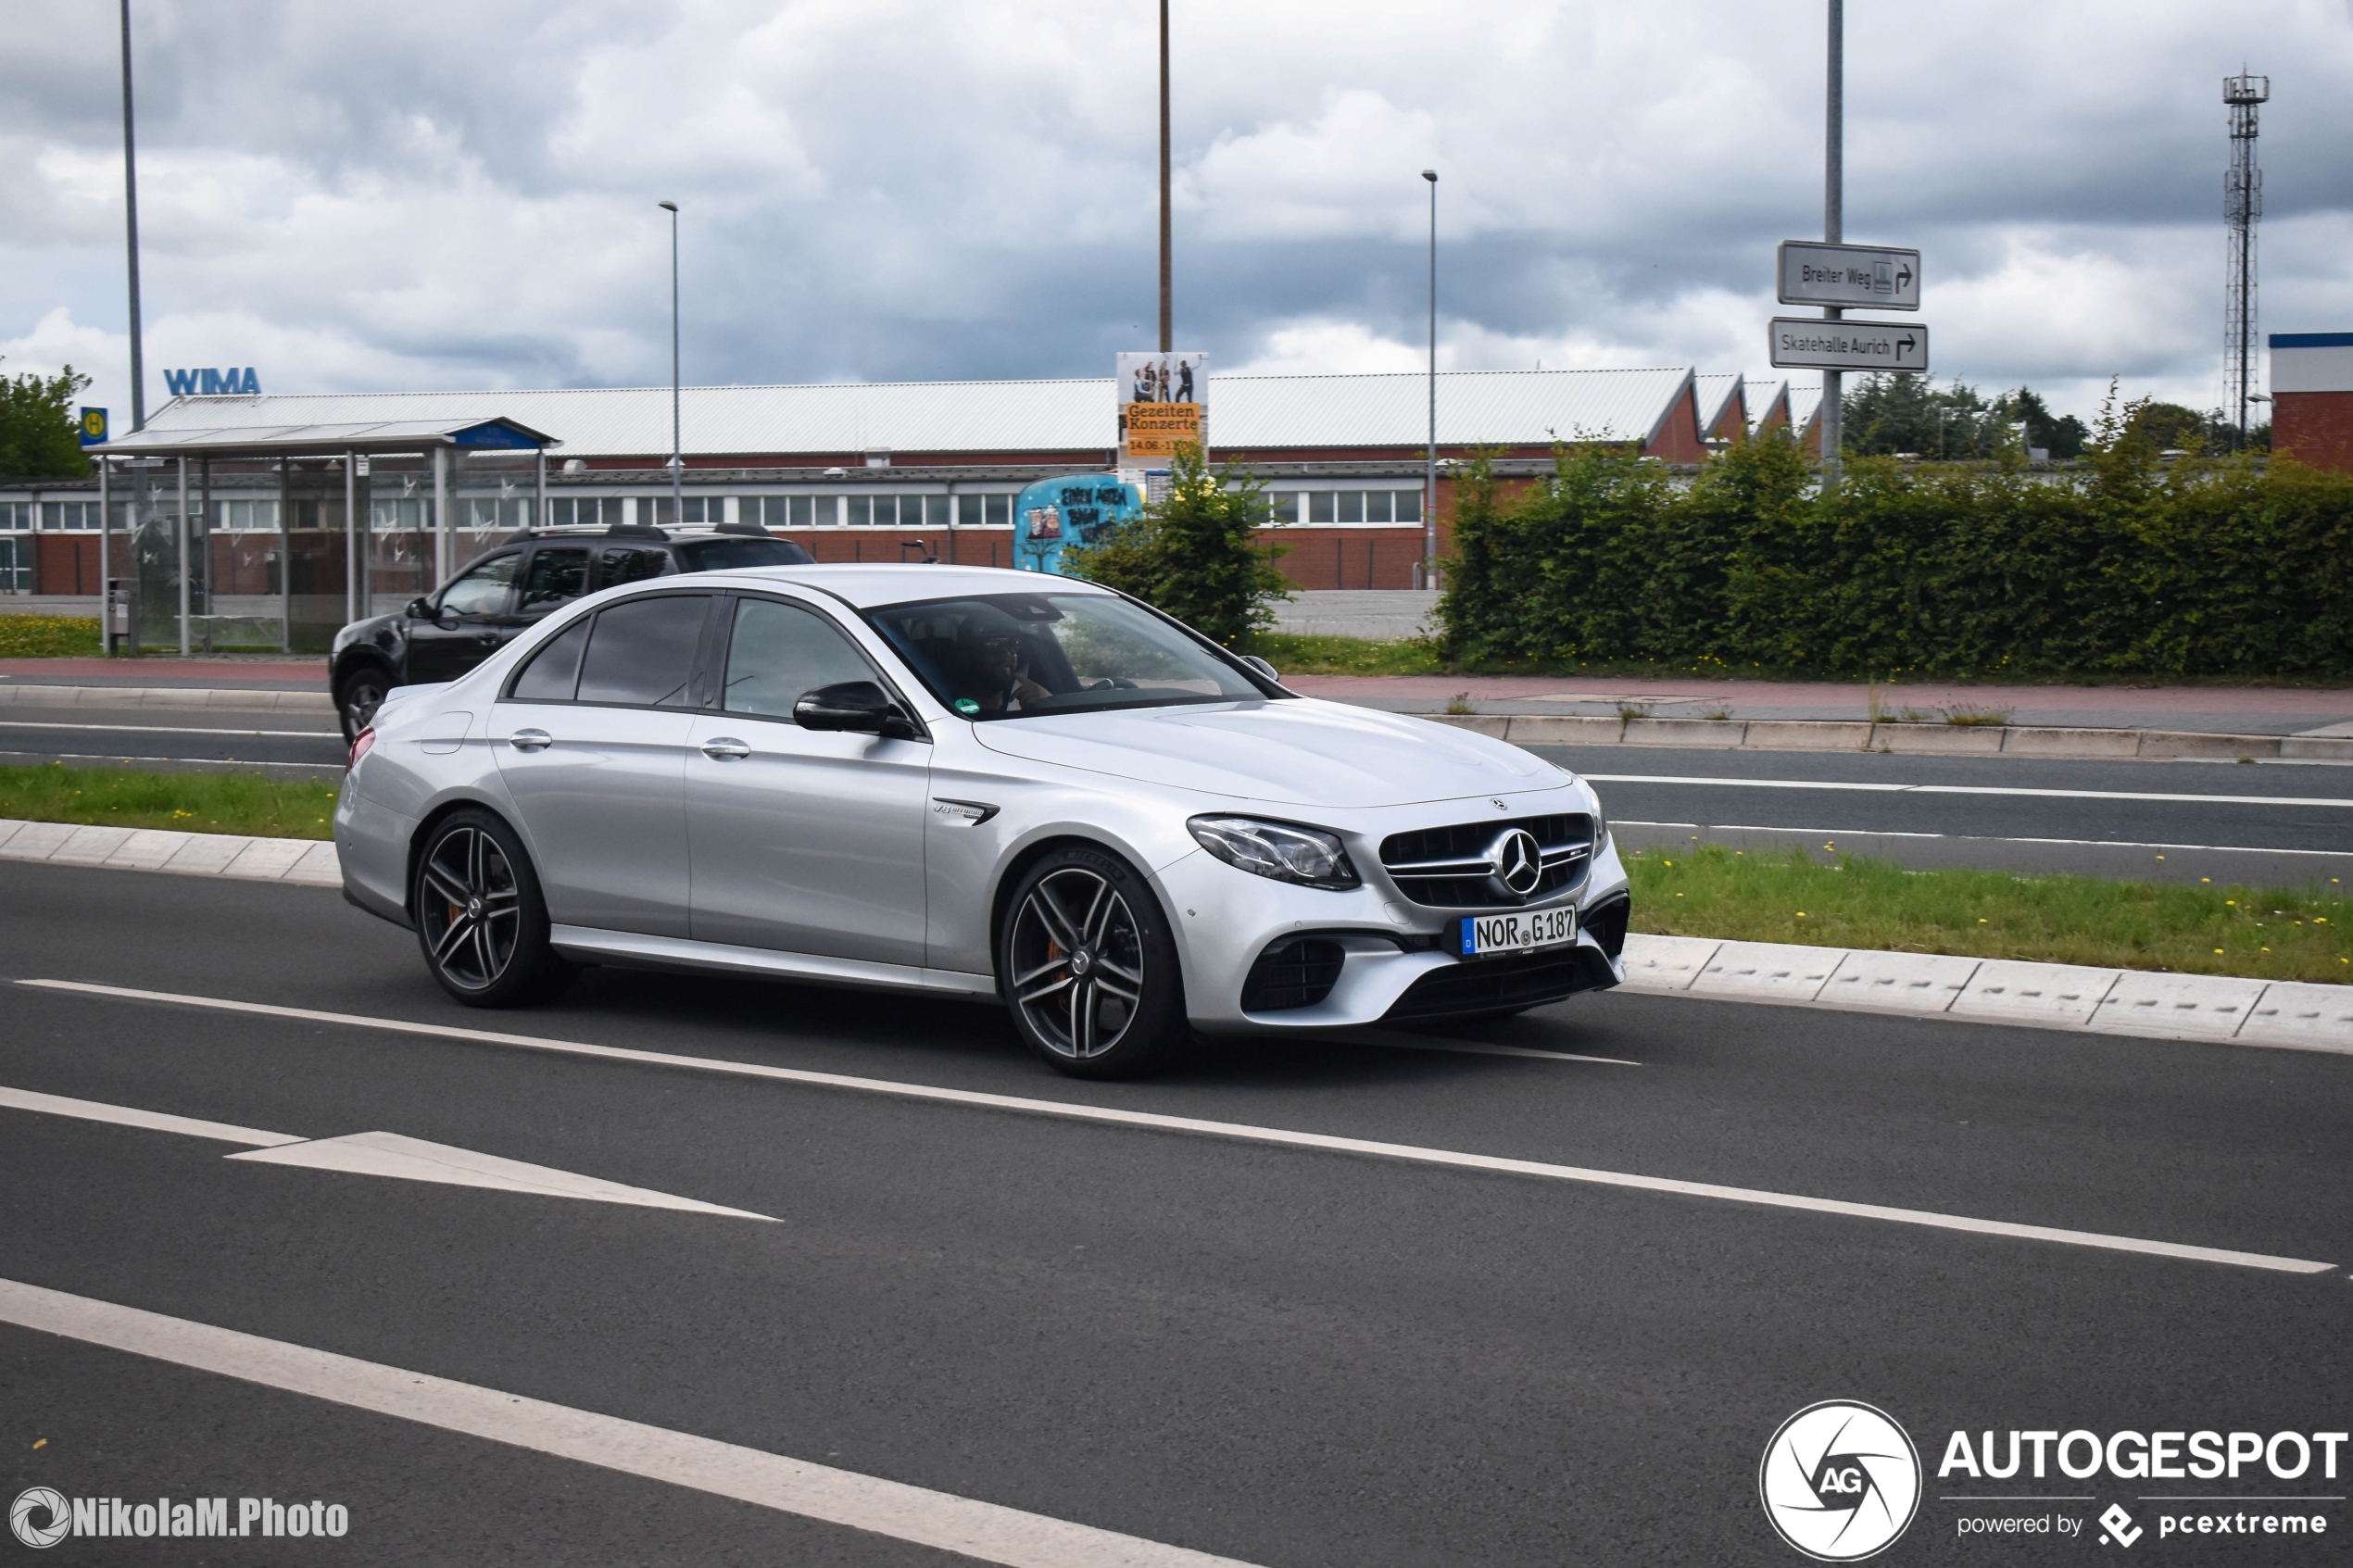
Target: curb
<point>2227,1009</point>
<point>309,862</point>
<point>257,700</point>
<point>2292,1014</point>
<point>1903,740</point>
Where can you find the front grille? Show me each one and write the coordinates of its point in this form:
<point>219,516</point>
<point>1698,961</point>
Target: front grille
<point>1447,867</point>
<point>1296,974</point>
<point>1496,985</point>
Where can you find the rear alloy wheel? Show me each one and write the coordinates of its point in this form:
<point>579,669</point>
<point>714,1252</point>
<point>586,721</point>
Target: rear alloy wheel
<point>1089,968</point>
<point>480,917</point>
<point>358,696</point>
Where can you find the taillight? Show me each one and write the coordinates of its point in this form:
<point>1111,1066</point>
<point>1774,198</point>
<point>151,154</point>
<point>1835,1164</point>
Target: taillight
<point>360,747</point>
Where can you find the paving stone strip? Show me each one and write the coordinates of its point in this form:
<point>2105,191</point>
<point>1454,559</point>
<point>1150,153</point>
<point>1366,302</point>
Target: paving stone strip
<point>257,699</point>
<point>1903,740</point>
<point>2045,996</point>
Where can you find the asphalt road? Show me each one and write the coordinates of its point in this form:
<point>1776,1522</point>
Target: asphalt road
<point>307,745</point>
<point>1288,1356</point>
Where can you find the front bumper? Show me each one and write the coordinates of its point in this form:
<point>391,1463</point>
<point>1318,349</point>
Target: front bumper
<point>1395,961</point>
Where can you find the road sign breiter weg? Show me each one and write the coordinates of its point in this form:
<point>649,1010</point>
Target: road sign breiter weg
<point>1802,344</point>
<point>1876,276</point>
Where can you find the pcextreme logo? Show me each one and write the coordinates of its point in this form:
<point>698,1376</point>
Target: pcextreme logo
<point>1840,1481</point>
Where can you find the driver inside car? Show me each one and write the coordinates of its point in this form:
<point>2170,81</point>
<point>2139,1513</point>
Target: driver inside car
<point>993,678</point>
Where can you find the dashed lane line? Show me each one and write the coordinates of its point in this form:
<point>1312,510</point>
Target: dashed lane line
<point>1235,1131</point>
<point>1968,789</point>
<point>986,1531</point>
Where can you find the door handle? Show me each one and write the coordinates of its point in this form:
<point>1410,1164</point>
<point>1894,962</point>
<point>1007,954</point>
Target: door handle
<point>726,748</point>
<point>530,740</point>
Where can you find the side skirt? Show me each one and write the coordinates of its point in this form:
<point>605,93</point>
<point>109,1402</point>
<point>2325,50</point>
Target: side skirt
<point>588,945</point>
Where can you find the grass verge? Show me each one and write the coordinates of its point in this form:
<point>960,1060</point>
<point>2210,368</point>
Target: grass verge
<point>1853,902</point>
<point>49,637</point>
<point>239,803</point>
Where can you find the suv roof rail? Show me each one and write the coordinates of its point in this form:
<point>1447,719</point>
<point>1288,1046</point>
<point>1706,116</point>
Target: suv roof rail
<point>634,530</point>
<point>750,530</point>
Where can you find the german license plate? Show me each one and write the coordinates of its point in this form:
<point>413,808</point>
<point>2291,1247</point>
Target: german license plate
<point>1525,932</point>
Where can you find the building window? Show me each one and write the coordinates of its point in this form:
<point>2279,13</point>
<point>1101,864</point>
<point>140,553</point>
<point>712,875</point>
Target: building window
<point>245,517</point>
<point>15,516</point>
<point>985,511</point>
<point>1409,505</point>
<point>15,563</point>
<point>68,515</point>
<point>487,513</point>
<point>691,510</point>
<point>585,512</point>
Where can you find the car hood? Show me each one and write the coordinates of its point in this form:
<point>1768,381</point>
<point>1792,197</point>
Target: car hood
<point>1301,752</point>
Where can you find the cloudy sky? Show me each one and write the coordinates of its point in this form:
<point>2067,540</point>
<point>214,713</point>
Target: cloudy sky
<point>362,196</point>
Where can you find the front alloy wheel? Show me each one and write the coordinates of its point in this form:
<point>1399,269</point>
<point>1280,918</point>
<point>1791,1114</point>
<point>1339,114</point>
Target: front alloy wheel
<point>1091,971</point>
<point>480,918</point>
<point>358,698</point>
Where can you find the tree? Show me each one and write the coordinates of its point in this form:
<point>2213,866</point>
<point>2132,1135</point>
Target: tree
<point>2171,426</point>
<point>2063,437</point>
<point>38,436</point>
<point>1890,414</point>
<point>1196,553</point>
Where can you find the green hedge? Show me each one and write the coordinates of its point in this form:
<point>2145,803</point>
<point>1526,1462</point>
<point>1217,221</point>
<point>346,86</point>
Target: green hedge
<point>2129,566</point>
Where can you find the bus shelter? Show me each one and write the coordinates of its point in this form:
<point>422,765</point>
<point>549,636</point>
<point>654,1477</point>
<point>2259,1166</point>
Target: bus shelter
<point>255,538</point>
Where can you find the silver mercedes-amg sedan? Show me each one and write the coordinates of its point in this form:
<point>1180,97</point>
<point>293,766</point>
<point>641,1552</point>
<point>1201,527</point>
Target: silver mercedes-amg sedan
<point>982,783</point>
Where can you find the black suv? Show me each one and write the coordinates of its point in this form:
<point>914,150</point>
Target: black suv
<point>508,588</point>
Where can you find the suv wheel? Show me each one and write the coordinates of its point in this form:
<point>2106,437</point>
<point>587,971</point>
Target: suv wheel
<point>1089,968</point>
<point>480,917</point>
<point>356,698</point>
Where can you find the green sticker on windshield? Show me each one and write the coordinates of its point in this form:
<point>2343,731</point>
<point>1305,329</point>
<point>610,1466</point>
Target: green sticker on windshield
<point>968,707</point>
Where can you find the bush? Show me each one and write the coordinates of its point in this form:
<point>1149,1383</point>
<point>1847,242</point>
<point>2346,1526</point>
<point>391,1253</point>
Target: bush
<point>49,637</point>
<point>1195,555</point>
<point>2206,567</point>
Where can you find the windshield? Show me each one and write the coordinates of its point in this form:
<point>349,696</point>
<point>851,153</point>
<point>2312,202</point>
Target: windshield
<point>729,554</point>
<point>1010,656</point>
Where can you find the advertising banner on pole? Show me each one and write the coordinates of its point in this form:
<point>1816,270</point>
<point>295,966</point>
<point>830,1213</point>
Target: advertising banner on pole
<point>1163,403</point>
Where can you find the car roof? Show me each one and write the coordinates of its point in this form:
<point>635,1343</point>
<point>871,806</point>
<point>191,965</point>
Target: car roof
<point>876,584</point>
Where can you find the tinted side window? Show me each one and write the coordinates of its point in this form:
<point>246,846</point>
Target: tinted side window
<point>553,670</point>
<point>483,592</point>
<point>556,577</point>
<point>733,554</point>
<point>643,652</point>
<point>626,564</point>
<point>780,651</point>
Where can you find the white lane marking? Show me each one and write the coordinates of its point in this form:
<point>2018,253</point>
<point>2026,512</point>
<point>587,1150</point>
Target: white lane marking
<point>153,1121</point>
<point>376,1154</point>
<point>1238,1132</point>
<point>1969,789</point>
<point>172,730</point>
<point>984,1530</point>
<point>1465,1048</point>
<point>414,1160</point>
<point>1978,838</point>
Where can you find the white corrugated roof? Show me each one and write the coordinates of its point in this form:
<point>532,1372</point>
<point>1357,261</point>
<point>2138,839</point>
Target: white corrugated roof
<point>1804,406</point>
<point>1248,414</point>
<point>1762,397</point>
<point>1715,393</point>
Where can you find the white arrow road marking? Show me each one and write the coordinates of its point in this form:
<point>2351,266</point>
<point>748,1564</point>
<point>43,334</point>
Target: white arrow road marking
<point>414,1160</point>
<point>987,1530</point>
<point>1236,1131</point>
<point>374,1154</point>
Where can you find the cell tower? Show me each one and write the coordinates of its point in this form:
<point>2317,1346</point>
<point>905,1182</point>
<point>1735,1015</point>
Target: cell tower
<point>2241,204</point>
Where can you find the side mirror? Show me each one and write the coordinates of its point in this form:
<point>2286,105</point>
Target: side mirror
<point>1261,666</point>
<point>419,610</point>
<point>860,706</point>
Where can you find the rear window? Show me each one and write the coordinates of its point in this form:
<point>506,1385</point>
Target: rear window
<point>642,653</point>
<point>735,554</point>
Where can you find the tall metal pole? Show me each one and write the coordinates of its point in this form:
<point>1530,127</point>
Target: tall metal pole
<point>1167,302</point>
<point>2241,204</point>
<point>181,541</point>
<point>677,455</point>
<point>1834,230</point>
<point>1430,480</point>
<point>130,208</point>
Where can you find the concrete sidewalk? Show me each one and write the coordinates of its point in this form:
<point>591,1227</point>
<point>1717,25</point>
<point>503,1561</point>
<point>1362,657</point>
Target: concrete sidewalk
<point>2273,711</point>
<point>275,671</point>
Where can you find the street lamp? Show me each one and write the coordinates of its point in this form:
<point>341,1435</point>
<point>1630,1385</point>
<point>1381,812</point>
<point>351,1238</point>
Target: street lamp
<point>1430,502</point>
<point>677,456</point>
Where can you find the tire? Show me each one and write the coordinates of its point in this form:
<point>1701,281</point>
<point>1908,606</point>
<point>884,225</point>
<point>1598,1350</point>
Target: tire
<point>1089,969</point>
<point>357,696</point>
<point>480,921</point>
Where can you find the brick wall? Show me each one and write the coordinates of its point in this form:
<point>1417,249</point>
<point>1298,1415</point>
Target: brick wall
<point>2315,428</point>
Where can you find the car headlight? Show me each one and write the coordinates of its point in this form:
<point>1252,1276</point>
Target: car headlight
<point>1601,826</point>
<point>1305,856</point>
